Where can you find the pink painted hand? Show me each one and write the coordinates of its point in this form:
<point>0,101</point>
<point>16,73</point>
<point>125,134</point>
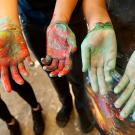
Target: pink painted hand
<point>61,43</point>
<point>13,51</point>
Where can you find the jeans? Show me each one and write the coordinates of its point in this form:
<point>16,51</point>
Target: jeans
<point>35,34</point>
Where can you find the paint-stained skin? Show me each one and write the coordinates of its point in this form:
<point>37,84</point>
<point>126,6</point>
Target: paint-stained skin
<point>13,51</point>
<point>61,43</point>
<point>99,56</point>
<point>126,87</point>
<point>122,14</point>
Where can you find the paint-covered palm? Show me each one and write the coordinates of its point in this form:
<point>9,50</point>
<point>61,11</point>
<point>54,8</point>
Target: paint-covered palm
<point>127,88</point>
<point>13,51</point>
<point>99,56</point>
<point>61,43</point>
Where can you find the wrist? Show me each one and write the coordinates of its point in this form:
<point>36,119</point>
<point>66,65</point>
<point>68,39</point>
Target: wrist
<point>92,24</point>
<point>100,16</point>
<point>8,24</point>
<point>60,18</point>
<point>60,23</point>
<point>101,25</point>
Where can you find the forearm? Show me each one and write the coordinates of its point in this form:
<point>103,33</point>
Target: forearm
<point>63,10</point>
<point>9,9</point>
<point>95,11</point>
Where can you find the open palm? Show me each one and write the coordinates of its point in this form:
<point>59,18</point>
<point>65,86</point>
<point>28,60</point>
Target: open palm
<point>99,57</point>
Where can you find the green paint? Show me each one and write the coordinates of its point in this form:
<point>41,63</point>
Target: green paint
<point>127,88</point>
<point>98,51</point>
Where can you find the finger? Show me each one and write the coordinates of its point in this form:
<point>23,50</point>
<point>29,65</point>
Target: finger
<point>24,53</point>
<point>101,81</point>
<point>133,115</point>
<point>53,66</point>
<point>22,69</point>
<point>129,107</point>
<point>93,79</point>
<point>47,60</point>
<point>108,69</point>
<point>124,96</point>
<point>85,52</point>
<point>5,79</point>
<point>15,75</point>
<point>30,61</point>
<point>67,68</point>
<point>122,84</point>
<point>60,68</point>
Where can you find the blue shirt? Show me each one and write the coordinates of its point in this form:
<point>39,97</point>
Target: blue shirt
<point>41,11</point>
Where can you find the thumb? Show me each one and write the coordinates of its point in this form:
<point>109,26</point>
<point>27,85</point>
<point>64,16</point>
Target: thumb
<point>71,40</point>
<point>85,53</point>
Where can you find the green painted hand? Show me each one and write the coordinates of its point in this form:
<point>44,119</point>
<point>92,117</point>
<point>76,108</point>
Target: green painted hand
<point>99,56</point>
<point>127,88</point>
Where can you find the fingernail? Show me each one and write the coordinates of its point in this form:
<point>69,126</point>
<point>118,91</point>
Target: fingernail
<point>133,116</point>
<point>21,82</point>
<point>116,104</point>
<point>115,90</point>
<point>42,59</point>
<point>26,74</point>
<point>82,70</point>
<point>51,75</point>
<point>32,64</point>
<point>44,68</point>
<point>60,75</point>
<point>9,91</point>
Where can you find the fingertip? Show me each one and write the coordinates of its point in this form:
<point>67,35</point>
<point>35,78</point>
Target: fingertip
<point>44,68</point>
<point>116,104</point>
<point>42,59</point>
<point>74,50</point>
<point>20,82</point>
<point>116,90</point>
<point>53,74</point>
<point>60,74</point>
<point>50,75</point>
<point>108,79</point>
<point>8,90</point>
<point>26,74</point>
<point>84,69</point>
<point>103,93</point>
<point>123,114</point>
<point>32,63</point>
<point>133,116</point>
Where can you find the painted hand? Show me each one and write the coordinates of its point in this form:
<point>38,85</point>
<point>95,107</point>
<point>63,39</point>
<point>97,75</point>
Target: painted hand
<point>61,43</point>
<point>99,56</point>
<point>127,87</point>
<point>13,51</point>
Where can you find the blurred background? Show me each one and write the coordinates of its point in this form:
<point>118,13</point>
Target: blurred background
<point>46,95</point>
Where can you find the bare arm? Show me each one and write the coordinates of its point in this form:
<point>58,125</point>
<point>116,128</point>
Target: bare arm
<point>13,50</point>
<point>9,9</point>
<point>100,43</point>
<point>61,41</point>
<point>63,10</point>
<point>95,11</point>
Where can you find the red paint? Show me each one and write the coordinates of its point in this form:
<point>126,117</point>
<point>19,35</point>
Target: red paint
<point>59,47</point>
